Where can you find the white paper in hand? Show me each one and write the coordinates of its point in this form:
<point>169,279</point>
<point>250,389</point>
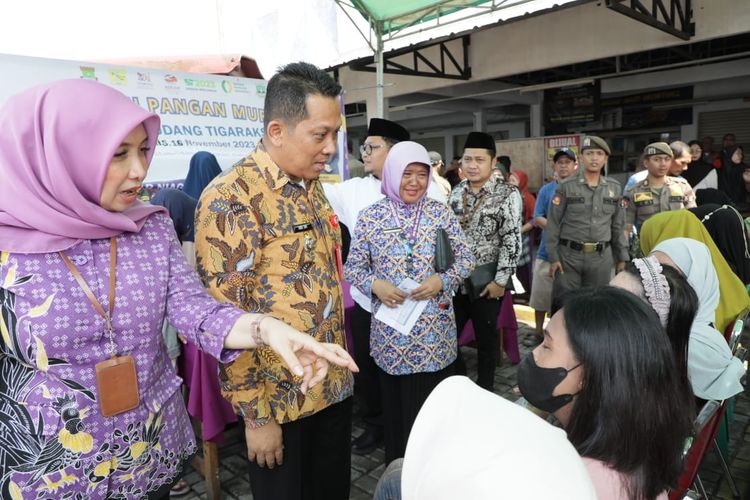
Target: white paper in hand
<point>402,318</point>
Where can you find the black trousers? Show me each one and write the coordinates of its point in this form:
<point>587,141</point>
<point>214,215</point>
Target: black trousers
<point>366,382</point>
<point>404,396</point>
<point>483,315</point>
<point>317,459</point>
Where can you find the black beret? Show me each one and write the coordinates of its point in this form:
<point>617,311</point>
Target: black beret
<point>658,148</point>
<point>594,142</point>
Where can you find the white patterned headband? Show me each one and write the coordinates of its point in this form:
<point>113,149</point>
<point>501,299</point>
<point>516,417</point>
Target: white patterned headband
<point>655,285</point>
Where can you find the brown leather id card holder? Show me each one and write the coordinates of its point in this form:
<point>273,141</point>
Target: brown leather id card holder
<point>117,382</point>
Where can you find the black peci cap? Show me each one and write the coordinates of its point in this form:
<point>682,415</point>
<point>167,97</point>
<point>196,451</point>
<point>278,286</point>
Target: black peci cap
<point>480,140</point>
<point>387,128</point>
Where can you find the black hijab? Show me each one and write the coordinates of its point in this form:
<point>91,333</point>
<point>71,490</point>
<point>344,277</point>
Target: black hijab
<point>697,171</point>
<point>711,195</point>
<point>727,229</point>
<point>733,172</point>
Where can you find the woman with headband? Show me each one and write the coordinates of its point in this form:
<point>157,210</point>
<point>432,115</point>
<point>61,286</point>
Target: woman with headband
<point>732,297</point>
<point>714,373</point>
<point>667,291</point>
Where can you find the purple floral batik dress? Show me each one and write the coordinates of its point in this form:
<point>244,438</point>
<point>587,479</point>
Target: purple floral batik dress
<point>54,442</point>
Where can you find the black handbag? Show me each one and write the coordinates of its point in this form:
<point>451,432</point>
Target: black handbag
<point>444,257</point>
<point>479,279</point>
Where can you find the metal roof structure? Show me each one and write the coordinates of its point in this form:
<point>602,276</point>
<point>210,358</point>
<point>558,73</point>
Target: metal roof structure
<point>391,20</point>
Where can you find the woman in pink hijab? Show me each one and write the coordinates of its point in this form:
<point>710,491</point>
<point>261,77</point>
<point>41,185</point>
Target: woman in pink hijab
<point>89,402</point>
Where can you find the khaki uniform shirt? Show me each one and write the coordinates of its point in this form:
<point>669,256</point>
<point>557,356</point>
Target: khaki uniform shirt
<point>587,214</point>
<point>266,244</point>
<point>642,200</point>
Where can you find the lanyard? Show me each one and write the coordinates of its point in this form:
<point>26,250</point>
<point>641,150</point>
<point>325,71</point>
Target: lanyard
<point>412,234</point>
<point>466,216</point>
<point>92,298</point>
<point>319,224</point>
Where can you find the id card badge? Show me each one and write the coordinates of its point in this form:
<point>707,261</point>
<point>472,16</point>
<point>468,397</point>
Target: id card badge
<point>117,382</point>
<point>339,261</point>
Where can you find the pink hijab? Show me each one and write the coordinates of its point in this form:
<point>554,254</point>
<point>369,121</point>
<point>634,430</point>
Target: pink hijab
<point>56,143</point>
<point>399,157</point>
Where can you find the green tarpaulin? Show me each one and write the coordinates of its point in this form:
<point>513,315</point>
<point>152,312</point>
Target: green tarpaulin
<point>393,15</point>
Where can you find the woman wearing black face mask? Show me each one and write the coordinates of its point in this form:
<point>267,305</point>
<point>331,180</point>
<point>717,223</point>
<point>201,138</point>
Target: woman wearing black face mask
<point>607,372</point>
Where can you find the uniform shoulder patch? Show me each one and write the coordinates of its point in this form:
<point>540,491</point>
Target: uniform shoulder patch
<point>624,202</point>
<point>557,199</point>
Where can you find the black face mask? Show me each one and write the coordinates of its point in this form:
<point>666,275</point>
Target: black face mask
<point>537,384</point>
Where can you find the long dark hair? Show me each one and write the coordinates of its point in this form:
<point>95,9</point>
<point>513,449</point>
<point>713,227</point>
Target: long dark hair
<point>632,412</point>
<point>682,308</point>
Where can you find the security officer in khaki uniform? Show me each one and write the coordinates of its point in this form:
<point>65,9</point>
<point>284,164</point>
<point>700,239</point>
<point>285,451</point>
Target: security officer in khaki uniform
<point>658,192</point>
<point>586,223</point>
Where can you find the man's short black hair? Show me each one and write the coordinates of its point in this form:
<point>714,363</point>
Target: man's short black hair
<point>288,89</point>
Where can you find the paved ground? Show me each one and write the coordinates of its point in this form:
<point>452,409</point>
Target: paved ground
<point>367,469</point>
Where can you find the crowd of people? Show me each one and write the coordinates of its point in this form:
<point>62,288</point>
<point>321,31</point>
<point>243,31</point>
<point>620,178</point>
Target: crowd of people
<point>632,288</point>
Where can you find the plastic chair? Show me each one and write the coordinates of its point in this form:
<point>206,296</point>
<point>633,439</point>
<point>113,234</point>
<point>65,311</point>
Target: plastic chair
<point>708,421</point>
<point>706,425</point>
<point>734,332</point>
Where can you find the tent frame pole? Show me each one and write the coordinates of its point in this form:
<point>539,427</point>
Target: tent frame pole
<point>379,71</point>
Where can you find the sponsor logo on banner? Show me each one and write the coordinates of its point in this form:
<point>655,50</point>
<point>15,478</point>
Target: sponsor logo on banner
<point>88,72</point>
<point>224,118</point>
<point>144,80</point>
<point>240,87</point>
<point>171,82</point>
<point>118,76</point>
<point>203,85</point>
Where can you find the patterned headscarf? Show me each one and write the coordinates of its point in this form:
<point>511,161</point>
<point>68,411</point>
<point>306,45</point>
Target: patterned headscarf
<point>56,143</point>
<point>399,157</point>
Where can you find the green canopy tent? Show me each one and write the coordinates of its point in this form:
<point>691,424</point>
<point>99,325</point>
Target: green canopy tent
<point>392,19</point>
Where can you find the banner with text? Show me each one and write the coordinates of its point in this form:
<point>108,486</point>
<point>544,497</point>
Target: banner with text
<point>219,114</point>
